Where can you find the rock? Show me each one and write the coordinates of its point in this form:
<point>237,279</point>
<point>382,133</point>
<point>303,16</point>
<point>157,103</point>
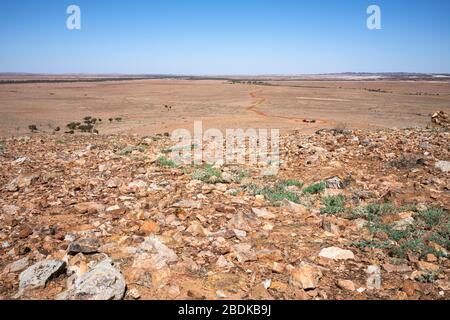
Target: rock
<point>103,282</point>
<point>188,204</point>
<point>173,291</point>
<point>443,284</point>
<point>335,253</point>
<point>374,277</point>
<point>25,232</point>
<point>22,181</point>
<point>196,229</point>
<point>162,252</point>
<point>346,285</point>
<point>223,263</point>
<point>220,187</point>
<point>334,183</point>
<point>69,237</point>
<point>444,166</point>
<point>427,266</point>
<point>244,252</point>
<point>409,288</point>
<point>240,233</point>
<point>137,186</point>
<point>133,294</point>
<point>305,277</point>
<point>293,207</point>
<point>431,258</point>
<point>263,213</point>
<point>160,278</point>
<point>239,222</point>
<point>17,266</point>
<point>113,183</point>
<point>85,246</point>
<point>39,274</point>
<point>330,227</point>
<point>404,223</point>
<point>12,186</point>
<point>89,207</point>
<point>10,210</point>
<point>278,267</point>
<point>150,227</point>
<point>438,248</point>
<point>360,223</point>
<point>396,268</point>
<point>260,293</point>
<point>220,294</point>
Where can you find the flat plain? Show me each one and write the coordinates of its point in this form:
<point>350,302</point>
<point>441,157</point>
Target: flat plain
<point>141,104</point>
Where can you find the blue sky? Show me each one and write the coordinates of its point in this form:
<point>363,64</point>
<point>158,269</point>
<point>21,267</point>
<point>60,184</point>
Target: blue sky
<point>224,37</point>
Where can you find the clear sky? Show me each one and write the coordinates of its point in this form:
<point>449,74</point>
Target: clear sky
<point>224,37</point>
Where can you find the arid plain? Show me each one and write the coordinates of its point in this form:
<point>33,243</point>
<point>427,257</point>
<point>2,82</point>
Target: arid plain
<point>220,104</point>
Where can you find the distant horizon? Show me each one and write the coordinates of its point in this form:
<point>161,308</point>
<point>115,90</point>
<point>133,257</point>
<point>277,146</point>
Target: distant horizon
<point>224,74</point>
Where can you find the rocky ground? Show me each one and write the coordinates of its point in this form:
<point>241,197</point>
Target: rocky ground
<point>350,215</point>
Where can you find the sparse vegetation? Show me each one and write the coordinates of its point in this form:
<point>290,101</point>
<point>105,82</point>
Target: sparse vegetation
<point>427,277</point>
<point>170,150</point>
<point>291,183</point>
<point>429,225</point>
<point>374,244</point>
<point>207,174</point>
<point>372,211</point>
<point>315,188</point>
<point>166,163</point>
<point>252,82</point>
<point>333,204</point>
<point>239,174</point>
<point>88,126</point>
<point>275,193</point>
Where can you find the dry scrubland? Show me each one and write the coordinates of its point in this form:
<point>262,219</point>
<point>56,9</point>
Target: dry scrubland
<point>358,210</point>
<point>284,105</point>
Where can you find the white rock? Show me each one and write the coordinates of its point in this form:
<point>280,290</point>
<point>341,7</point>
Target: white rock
<point>103,282</point>
<point>39,274</point>
<point>220,294</point>
<point>444,166</point>
<point>335,253</point>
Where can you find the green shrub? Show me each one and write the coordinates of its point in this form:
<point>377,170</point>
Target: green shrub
<point>207,174</point>
<point>333,204</point>
<point>315,188</point>
<point>431,217</point>
<point>291,183</point>
<point>273,194</point>
<point>167,163</point>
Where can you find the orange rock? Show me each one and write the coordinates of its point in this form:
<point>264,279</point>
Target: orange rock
<point>150,227</point>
